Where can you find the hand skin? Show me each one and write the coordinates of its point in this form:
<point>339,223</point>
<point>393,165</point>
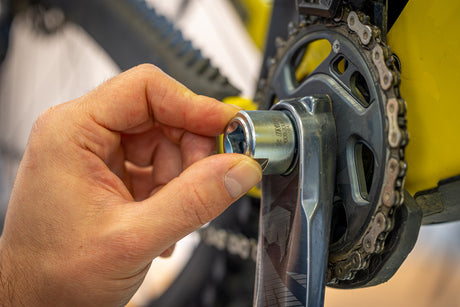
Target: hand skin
<point>110,181</point>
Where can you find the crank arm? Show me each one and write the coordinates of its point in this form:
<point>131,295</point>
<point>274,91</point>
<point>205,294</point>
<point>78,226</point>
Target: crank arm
<point>297,195</point>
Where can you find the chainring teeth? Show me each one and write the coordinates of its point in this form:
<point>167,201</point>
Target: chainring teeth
<point>344,264</point>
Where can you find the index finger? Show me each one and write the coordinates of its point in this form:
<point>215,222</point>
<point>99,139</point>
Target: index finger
<point>146,94</point>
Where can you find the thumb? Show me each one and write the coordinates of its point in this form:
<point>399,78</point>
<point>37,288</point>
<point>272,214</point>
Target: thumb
<point>198,195</point>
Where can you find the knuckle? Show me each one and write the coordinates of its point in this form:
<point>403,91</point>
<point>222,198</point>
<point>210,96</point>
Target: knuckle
<point>47,120</point>
<point>42,121</point>
<point>147,69</point>
<point>42,130</point>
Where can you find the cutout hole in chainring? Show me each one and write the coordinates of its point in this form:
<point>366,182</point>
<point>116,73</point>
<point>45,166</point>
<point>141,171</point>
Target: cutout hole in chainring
<point>365,168</point>
<point>309,57</point>
<point>360,89</point>
<point>340,65</point>
<point>339,222</point>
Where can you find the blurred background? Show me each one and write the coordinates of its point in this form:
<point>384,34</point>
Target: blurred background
<point>42,69</point>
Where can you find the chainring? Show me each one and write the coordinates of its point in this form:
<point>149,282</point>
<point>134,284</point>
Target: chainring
<point>360,76</point>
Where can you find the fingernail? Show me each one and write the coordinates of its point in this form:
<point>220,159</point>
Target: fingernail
<point>242,177</point>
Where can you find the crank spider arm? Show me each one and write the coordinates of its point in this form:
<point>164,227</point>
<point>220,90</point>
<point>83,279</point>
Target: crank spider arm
<point>297,195</point>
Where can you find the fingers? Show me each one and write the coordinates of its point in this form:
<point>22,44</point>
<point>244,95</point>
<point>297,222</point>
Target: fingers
<point>140,148</point>
<point>145,93</point>
<point>197,196</point>
<point>167,163</point>
<point>139,181</point>
<point>155,153</point>
<point>148,172</point>
<point>196,147</point>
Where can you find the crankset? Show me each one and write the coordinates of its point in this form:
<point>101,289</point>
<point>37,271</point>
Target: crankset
<point>357,72</point>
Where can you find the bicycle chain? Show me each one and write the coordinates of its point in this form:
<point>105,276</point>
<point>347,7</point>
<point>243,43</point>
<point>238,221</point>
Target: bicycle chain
<point>344,265</point>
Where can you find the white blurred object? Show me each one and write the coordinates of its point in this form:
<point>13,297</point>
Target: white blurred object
<point>164,271</point>
<point>42,70</point>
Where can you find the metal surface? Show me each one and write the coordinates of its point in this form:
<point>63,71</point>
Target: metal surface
<point>441,204</point>
<point>386,78</point>
<point>324,8</point>
<point>266,136</point>
<point>294,225</point>
<point>370,161</point>
<point>364,31</point>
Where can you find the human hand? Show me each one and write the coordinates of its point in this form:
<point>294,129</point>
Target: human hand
<point>110,181</point>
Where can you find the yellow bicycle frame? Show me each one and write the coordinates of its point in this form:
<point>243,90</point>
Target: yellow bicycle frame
<point>425,38</point>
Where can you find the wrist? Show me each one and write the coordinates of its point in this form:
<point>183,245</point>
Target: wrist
<point>15,285</point>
